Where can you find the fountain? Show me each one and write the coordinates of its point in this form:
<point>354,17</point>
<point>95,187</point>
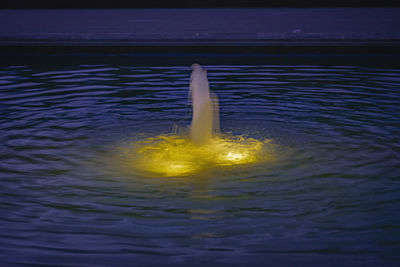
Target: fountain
<point>200,149</point>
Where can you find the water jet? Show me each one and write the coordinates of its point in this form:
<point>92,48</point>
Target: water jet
<point>205,121</point>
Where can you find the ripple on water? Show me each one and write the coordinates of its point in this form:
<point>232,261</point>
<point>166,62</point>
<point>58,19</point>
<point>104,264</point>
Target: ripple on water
<point>325,190</point>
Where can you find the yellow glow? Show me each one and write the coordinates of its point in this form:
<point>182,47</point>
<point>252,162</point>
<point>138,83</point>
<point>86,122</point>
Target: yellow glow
<point>235,156</point>
<point>176,155</point>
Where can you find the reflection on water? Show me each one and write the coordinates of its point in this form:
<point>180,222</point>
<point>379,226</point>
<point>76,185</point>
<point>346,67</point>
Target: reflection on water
<point>324,191</point>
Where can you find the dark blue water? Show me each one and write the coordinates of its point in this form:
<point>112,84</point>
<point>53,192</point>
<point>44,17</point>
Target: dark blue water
<point>331,200</point>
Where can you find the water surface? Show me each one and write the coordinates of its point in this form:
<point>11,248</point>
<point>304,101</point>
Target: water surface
<point>331,199</point>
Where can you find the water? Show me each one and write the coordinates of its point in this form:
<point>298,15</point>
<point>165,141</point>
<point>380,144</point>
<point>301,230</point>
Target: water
<point>331,198</point>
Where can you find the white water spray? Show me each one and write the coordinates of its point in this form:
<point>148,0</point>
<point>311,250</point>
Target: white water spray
<point>205,117</point>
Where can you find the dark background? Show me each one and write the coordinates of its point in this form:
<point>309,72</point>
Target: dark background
<point>15,4</point>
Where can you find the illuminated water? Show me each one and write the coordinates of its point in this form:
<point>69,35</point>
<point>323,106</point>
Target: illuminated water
<point>194,150</point>
<point>328,196</point>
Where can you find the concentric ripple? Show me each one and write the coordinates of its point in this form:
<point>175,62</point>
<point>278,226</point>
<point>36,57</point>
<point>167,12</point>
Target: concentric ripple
<point>74,173</point>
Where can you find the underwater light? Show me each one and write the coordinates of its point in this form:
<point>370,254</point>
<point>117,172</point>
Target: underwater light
<point>235,156</point>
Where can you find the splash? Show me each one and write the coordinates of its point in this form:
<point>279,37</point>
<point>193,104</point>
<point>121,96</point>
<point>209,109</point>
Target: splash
<point>202,148</point>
